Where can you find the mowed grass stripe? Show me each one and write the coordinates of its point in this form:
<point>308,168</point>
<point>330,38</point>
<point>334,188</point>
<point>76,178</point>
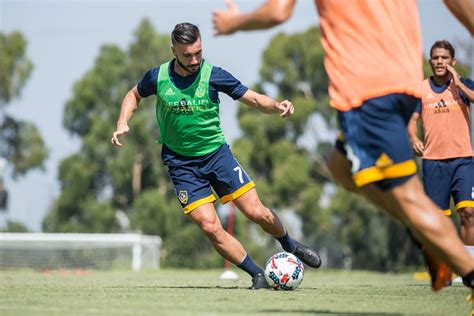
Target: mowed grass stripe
<point>191,292</point>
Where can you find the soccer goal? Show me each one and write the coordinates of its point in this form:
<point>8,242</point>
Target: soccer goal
<point>79,251</point>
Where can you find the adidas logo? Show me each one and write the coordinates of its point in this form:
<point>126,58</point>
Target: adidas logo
<point>169,91</point>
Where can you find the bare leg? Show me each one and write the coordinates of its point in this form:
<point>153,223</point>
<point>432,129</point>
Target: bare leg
<point>467,225</point>
<point>409,204</point>
<point>206,218</point>
<point>340,169</point>
<point>431,226</point>
<point>250,205</point>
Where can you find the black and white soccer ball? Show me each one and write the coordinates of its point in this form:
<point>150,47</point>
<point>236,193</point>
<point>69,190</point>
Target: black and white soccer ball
<point>284,271</point>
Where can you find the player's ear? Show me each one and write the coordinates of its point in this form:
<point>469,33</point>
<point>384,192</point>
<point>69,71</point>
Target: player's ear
<point>173,51</point>
<point>454,61</point>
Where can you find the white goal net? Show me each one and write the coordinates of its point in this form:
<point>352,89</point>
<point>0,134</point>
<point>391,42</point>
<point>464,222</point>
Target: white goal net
<point>79,251</point>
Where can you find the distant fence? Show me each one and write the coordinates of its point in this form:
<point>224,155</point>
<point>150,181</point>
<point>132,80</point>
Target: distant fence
<point>79,251</point>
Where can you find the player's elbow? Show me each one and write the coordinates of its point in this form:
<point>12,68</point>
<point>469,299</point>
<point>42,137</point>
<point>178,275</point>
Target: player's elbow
<point>279,16</point>
<point>133,93</point>
<point>282,11</point>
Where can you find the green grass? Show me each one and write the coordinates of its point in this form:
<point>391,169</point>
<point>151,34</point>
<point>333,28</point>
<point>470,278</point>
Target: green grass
<point>187,292</point>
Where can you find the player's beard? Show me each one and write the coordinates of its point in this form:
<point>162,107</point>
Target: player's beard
<point>188,68</point>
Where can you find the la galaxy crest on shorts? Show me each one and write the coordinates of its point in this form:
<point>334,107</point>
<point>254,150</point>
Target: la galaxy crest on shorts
<point>195,178</point>
<point>183,196</point>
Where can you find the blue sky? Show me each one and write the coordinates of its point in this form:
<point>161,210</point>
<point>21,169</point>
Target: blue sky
<point>64,37</point>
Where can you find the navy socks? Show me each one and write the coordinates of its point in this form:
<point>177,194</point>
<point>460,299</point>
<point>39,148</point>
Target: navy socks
<point>249,266</point>
<point>287,243</point>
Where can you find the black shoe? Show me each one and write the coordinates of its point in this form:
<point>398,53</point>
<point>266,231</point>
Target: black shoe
<point>307,255</point>
<point>468,280</point>
<point>259,282</point>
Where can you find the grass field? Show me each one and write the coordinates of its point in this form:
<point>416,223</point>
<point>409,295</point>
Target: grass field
<point>187,292</point>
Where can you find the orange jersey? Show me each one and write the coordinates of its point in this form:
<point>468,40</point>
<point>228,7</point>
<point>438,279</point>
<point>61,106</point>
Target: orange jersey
<point>372,48</point>
<point>445,120</point>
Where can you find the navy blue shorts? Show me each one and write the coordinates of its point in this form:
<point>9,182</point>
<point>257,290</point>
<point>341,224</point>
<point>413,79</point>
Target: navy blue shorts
<point>450,177</point>
<point>193,177</point>
<point>374,139</point>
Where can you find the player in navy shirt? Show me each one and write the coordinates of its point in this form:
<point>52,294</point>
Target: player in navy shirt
<point>199,161</point>
<point>446,145</point>
<point>220,80</point>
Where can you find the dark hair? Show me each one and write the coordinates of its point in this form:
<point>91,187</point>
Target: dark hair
<point>185,33</point>
<point>443,44</point>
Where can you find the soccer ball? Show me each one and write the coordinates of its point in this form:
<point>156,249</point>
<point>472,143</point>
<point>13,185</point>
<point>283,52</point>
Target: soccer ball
<point>284,271</point>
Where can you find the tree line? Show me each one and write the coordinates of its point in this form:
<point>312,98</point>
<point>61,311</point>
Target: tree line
<point>108,190</point>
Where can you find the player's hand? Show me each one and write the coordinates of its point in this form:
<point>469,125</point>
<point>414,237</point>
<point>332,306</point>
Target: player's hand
<point>286,108</point>
<point>454,74</point>
<point>225,21</point>
<point>418,147</point>
<point>120,131</point>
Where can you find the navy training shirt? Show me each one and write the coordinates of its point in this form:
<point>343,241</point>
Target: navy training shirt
<point>220,81</point>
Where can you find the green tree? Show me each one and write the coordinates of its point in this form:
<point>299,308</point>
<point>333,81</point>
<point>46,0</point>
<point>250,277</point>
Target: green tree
<point>15,65</point>
<point>284,157</point>
<point>100,180</point>
<point>14,227</point>
<point>289,174</point>
<point>360,236</point>
<point>100,176</point>
<point>21,145</point>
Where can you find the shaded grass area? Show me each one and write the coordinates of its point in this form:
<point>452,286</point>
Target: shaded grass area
<point>191,292</point>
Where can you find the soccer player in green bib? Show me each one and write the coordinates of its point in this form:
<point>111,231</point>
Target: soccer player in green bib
<point>195,150</point>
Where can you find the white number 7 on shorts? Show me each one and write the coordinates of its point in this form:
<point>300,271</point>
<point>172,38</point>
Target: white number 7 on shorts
<point>241,179</point>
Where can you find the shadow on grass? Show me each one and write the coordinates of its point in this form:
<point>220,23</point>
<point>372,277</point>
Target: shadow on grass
<point>179,287</point>
<point>326,312</point>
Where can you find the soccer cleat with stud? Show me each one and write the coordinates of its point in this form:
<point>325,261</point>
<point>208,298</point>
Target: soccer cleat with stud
<point>468,280</point>
<point>309,256</point>
<point>259,282</point>
<point>440,273</point>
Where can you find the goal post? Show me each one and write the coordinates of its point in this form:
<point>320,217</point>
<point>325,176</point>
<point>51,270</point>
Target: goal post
<point>79,251</point>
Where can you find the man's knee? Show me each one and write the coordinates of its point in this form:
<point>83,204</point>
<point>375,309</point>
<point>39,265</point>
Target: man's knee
<point>252,207</point>
<point>411,195</point>
<point>260,214</point>
<point>211,227</point>
<point>467,216</point>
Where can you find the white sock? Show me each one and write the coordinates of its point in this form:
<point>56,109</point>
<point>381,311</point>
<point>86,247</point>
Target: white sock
<point>470,249</point>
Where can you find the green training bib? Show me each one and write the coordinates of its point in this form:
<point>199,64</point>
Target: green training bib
<point>189,121</point>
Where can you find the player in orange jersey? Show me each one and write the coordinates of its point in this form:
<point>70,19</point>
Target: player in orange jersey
<point>369,46</point>
<point>448,162</point>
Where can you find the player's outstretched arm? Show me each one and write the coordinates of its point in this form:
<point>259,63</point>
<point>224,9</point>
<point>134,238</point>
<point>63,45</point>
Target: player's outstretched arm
<point>463,10</point>
<point>128,108</point>
<point>412,129</point>
<point>271,13</point>
<point>266,104</point>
